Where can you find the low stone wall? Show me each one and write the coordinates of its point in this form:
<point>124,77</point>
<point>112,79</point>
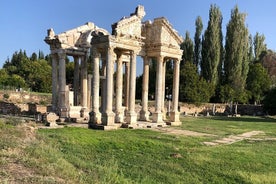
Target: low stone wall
<point>201,109</point>
<point>219,109</point>
<point>21,109</point>
<point>223,109</point>
<point>9,108</point>
<point>24,97</point>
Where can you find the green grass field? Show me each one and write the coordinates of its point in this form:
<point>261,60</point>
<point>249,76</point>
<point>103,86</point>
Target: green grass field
<point>78,155</point>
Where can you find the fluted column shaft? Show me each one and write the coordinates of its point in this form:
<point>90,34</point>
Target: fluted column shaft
<point>157,115</point>
<point>89,88</point>
<point>63,111</point>
<point>95,114</point>
<point>108,115</point>
<point>126,86</point>
<point>144,113</point>
<point>119,89</point>
<point>103,84</point>
<point>131,114</point>
<point>54,82</point>
<point>174,116</point>
<point>163,89</point>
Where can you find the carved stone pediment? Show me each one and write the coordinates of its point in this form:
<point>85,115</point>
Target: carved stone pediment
<point>130,26</point>
<point>160,33</point>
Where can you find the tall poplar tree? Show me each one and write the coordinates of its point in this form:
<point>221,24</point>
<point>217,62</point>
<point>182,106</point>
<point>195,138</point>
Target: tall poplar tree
<point>259,45</point>
<point>236,53</point>
<point>251,49</point>
<point>197,40</point>
<point>188,49</point>
<point>212,48</point>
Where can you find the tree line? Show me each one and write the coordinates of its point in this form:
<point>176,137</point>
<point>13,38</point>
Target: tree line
<point>32,73</point>
<point>237,67</point>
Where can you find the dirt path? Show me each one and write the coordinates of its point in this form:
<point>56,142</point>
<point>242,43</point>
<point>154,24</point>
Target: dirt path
<point>174,131</point>
<point>233,138</point>
<point>223,141</point>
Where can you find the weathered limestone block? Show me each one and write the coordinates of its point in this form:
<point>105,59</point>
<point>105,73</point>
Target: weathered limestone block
<point>50,119</point>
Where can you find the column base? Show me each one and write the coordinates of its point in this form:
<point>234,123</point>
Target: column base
<point>95,118</point>
<point>144,115</point>
<point>108,118</point>
<point>164,114</point>
<point>174,117</point>
<point>157,117</point>
<point>84,113</point>
<point>103,127</point>
<point>131,117</point>
<point>63,112</point>
<point>174,123</point>
<point>119,117</point>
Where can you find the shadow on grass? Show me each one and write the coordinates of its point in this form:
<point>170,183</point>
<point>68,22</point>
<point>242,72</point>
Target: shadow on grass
<point>252,119</point>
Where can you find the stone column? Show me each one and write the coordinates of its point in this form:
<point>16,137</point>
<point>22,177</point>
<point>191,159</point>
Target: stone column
<point>84,81</point>
<point>163,90</point>
<point>119,90</point>
<point>174,115</point>
<point>103,85</point>
<point>63,110</point>
<point>144,113</point>
<point>89,87</point>
<point>131,116</point>
<point>54,82</point>
<point>76,80</point>
<point>95,117</point>
<point>157,115</point>
<point>108,115</point>
<point>126,86</point>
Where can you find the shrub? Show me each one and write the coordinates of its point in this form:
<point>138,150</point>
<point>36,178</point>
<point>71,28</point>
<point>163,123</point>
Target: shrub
<point>6,96</point>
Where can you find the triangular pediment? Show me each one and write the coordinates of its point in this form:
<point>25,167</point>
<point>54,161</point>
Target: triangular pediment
<point>160,32</point>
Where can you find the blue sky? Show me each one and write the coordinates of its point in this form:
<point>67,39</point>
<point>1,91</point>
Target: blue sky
<point>24,23</point>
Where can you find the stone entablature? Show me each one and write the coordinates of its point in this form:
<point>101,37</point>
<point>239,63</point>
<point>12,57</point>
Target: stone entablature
<point>77,39</point>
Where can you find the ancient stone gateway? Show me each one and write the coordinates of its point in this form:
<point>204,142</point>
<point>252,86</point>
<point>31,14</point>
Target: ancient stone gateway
<point>130,38</point>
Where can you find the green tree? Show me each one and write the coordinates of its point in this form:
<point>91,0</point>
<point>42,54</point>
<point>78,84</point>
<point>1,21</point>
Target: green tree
<point>3,77</point>
<point>188,48</point>
<point>40,55</point>
<point>236,63</point>
<point>270,102</point>
<point>258,82</point>
<point>169,76</point>
<point>70,73</point>
<point>197,40</point>
<point>259,45</point>
<point>16,81</point>
<point>28,72</point>
<point>226,93</point>
<point>251,48</point>
<point>268,60</point>
<point>193,88</point>
<point>14,65</point>
<point>212,48</point>
<point>39,75</point>
<point>33,57</point>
